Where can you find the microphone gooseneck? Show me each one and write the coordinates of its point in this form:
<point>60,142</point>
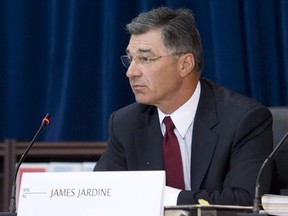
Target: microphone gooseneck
<point>256,204</point>
<point>12,206</point>
<point>257,198</point>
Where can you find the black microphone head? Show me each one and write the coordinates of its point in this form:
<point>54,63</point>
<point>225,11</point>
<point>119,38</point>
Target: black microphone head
<point>46,120</point>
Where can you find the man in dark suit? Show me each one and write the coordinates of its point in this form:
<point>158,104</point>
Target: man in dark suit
<point>224,137</point>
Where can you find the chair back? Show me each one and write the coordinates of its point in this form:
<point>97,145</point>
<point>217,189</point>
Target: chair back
<point>280,128</point>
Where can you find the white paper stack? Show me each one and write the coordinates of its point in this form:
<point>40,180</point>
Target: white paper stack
<point>275,204</point>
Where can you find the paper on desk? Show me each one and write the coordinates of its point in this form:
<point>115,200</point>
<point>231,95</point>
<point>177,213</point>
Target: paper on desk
<point>275,204</point>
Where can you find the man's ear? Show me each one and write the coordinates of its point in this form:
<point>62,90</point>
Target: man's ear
<point>187,64</point>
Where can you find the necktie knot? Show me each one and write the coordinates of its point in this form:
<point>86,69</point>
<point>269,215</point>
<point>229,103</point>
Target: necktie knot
<point>169,123</point>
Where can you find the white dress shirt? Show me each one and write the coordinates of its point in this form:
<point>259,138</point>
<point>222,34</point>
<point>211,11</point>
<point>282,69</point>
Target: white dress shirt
<point>183,119</point>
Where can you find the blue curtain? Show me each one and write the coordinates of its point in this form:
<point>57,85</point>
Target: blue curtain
<point>62,57</point>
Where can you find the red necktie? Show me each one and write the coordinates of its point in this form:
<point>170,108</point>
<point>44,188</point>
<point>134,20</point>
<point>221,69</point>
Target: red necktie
<point>172,157</point>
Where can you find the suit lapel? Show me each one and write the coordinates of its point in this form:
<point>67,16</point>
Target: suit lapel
<point>204,139</point>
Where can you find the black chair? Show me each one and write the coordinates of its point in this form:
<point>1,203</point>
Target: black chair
<point>280,128</point>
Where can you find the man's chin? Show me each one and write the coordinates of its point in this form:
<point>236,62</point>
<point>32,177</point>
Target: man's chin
<point>141,100</point>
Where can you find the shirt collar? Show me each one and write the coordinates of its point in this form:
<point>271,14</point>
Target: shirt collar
<point>184,115</point>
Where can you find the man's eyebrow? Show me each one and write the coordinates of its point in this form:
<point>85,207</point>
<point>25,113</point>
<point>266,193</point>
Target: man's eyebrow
<point>140,50</point>
<point>144,50</point>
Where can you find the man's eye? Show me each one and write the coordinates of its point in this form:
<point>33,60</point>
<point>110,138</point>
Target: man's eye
<point>144,60</point>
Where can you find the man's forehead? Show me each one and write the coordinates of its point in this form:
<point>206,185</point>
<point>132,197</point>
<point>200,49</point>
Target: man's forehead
<point>146,43</point>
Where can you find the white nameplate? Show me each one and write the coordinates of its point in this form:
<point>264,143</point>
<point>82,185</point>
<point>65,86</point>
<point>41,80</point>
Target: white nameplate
<point>122,193</point>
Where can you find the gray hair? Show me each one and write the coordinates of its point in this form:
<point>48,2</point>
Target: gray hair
<point>179,31</point>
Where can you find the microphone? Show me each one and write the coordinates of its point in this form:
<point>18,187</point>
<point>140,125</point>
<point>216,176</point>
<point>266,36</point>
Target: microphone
<point>256,203</point>
<point>12,207</point>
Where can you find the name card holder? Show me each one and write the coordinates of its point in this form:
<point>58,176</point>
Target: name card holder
<point>126,193</point>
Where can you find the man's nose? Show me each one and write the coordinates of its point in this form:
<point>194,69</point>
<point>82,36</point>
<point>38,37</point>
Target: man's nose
<point>133,70</point>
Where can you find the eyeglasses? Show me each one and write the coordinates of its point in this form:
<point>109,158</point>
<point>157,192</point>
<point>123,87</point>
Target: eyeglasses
<point>142,60</point>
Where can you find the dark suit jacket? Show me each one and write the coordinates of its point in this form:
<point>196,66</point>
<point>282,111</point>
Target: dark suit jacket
<point>232,136</point>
